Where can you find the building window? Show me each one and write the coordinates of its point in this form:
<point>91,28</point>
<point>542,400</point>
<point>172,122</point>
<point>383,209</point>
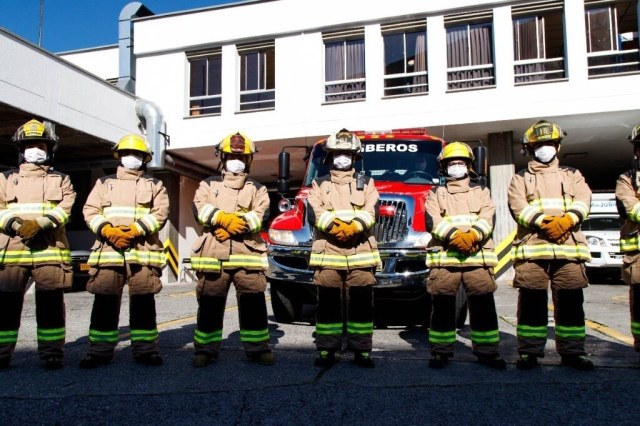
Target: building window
<point>469,51</point>
<point>538,42</point>
<point>257,76</point>
<point>205,84</point>
<point>612,37</point>
<point>405,58</point>
<point>344,67</point>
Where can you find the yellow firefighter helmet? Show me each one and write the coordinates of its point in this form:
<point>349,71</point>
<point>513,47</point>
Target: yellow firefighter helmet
<point>236,143</point>
<point>542,131</point>
<point>133,142</point>
<point>456,150</point>
<point>635,135</point>
<point>34,131</point>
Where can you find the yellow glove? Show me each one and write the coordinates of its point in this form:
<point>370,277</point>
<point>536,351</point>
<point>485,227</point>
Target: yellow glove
<point>221,234</point>
<point>116,237</point>
<point>557,229</point>
<point>351,229</point>
<point>28,230</point>
<point>234,224</point>
<point>466,242</point>
<point>338,230</point>
<point>132,231</point>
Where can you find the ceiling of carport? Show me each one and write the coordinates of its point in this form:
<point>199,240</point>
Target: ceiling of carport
<point>74,149</point>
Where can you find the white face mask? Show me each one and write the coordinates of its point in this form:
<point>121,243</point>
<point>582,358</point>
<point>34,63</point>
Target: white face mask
<point>235,166</point>
<point>544,154</point>
<point>457,171</point>
<point>131,162</point>
<point>342,162</point>
<point>35,155</point>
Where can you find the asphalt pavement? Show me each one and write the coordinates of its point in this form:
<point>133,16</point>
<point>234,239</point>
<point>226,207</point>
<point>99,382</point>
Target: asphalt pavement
<point>400,390</point>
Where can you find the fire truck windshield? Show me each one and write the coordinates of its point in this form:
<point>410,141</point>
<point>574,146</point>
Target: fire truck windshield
<point>406,161</point>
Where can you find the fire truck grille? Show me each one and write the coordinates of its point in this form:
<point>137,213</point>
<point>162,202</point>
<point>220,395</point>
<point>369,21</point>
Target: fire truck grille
<point>392,228</point>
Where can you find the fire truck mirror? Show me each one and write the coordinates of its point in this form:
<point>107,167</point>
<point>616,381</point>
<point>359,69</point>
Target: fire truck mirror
<point>284,167</point>
<point>480,161</point>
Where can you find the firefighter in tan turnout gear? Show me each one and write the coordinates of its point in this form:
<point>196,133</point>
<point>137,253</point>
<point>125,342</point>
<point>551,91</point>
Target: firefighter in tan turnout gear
<point>231,208</point>
<point>344,253</point>
<point>35,204</point>
<point>628,200</point>
<point>460,218</point>
<point>549,202</point>
<point>126,210</point>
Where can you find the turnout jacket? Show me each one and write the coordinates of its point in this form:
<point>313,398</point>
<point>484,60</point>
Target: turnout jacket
<point>29,192</point>
<point>230,193</point>
<point>128,198</point>
<point>548,190</point>
<point>459,206</point>
<point>628,201</point>
<point>336,196</point>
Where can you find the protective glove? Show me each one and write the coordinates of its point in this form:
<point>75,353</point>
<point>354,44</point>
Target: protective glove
<point>467,242</point>
<point>132,231</point>
<point>338,229</point>
<point>28,230</point>
<point>221,234</point>
<point>351,229</point>
<point>233,223</point>
<point>556,228</point>
<point>116,237</point>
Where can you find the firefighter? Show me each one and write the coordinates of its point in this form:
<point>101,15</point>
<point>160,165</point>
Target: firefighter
<point>628,200</point>
<point>231,207</point>
<point>344,253</point>
<point>460,218</point>
<point>126,211</point>
<point>35,204</point>
<point>549,202</point>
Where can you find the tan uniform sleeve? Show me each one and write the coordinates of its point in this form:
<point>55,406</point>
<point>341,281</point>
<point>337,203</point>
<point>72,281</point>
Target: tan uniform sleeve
<point>579,208</point>
<point>153,222</point>
<point>259,206</point>
<point>322,218</point>
<point>367,216</point>
<point>526,215</point>
<point>484,224</point>
<point>203,210</point>
<point>439,228</point>
<point>60,215</point>
<point>6,216</point>
<point>92,210</point>
<point>626,195</point>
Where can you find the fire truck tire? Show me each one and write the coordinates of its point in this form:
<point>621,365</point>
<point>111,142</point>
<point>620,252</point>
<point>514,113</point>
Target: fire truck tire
<point>285,308</point>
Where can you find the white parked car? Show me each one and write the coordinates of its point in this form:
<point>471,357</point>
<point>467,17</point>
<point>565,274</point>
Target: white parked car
<point>603,236</point>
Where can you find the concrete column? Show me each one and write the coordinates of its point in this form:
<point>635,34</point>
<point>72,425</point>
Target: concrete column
<point>374,62</point>
<point>575,41</point>
<point>501,169</point>
<point>503,42</point>
<point>437,55</point>
<point>169,233</point>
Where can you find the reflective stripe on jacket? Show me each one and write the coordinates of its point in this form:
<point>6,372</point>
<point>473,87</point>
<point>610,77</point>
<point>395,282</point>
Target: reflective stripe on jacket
<point>337,196</point>
<point>548,190</point>
<point>230,193</point>
<point>128,198</point>
<point>28,193</point>
<point>459,206</point>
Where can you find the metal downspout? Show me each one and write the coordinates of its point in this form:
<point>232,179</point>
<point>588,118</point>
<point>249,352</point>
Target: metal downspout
<point>152,120</point>
<point>127,60</point>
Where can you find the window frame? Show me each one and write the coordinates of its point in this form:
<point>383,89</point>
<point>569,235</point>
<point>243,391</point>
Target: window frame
<point>411,88</point>
<point>207,56</point>
<point>355,89</point>
<point>261,98</point>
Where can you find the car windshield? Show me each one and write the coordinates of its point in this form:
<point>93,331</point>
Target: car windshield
<point>404,161</point>
<point>611,223</point>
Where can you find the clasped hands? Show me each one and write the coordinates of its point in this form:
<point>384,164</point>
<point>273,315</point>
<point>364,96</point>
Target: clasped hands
<point>228,225</point>
<point>466,243</point>
<point>344,231</point>
<point>120,236</point>
<point>557,228</point>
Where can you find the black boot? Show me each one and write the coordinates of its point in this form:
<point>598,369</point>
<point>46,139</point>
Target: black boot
<point>325,358</point>
<point>93,361</point>
<point>201,359</point>
<point>53,363</point>
<point>152,359</point>
<point>5,363</point>
<point>438,361</point>
<point>492,361</point>
<point>264,357</point>
<point>363,359</point>
<point>579,362</point>
<point>527,362</point>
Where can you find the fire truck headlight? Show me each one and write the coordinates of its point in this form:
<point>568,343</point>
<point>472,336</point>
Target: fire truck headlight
<point>422,240</point>
<point>286,238</point>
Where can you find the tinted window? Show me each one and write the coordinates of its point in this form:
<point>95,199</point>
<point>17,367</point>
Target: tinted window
<point>602,224</point>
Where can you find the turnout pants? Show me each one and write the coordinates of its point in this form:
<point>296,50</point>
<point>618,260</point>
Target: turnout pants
<point>212,290</point>
<point>345,303</point>
<point>50,310</point>
<point>567,280</point>
<point>479,284</point>
<point>108,284</point>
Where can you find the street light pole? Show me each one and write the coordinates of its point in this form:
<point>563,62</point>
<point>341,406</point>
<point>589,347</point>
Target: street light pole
<point>40,25</point>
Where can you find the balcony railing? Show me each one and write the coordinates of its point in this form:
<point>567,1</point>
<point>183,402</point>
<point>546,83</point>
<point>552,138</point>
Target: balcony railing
<point>345,90</point>
<point>534,70</point>
<point>613,62</point>
<point>461,78</point>
<point>410,83</point>
<point>254,100</point>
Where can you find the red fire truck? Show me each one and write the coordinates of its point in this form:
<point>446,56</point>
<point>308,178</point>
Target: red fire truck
<point>404,166</point>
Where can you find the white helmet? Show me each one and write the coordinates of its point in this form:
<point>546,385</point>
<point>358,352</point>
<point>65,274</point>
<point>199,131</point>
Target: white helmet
<point>344,140</point>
